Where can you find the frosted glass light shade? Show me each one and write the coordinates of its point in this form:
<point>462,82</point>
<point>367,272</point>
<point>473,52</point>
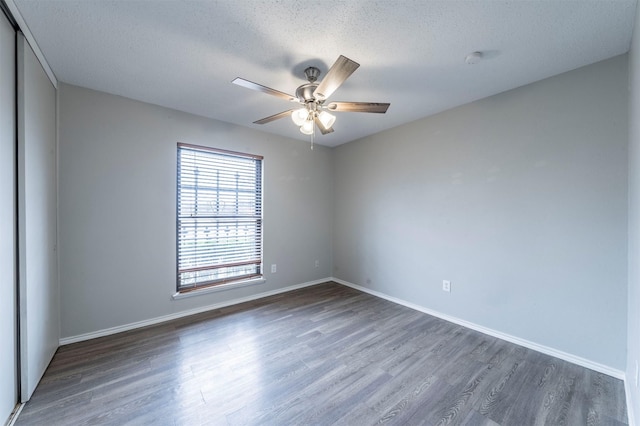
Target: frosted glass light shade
<point>327,119</point>
<point>299,116</point>
<point>307,127</point>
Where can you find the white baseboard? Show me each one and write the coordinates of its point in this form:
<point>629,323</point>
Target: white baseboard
<point>618,374</point>
<point>13,417</point>
<point>630,411</point>
<point>139,324</point>
<point>494,333</point>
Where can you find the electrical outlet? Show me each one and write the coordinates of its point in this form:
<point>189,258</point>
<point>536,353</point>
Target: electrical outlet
<point>317,263</point>
<point>274,268</point>
<point>446,286</point>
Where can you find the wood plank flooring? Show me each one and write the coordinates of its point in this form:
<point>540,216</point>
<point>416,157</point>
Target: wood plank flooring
<point>322,355</point>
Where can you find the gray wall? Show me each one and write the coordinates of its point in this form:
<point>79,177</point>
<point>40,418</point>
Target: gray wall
<point>39,295</point>
<point>633,333</point>
<point>117,208</point>
<point>519,199</point>
<point>8,311</point>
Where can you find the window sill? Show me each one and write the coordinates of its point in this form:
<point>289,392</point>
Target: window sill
<point>217,288</point>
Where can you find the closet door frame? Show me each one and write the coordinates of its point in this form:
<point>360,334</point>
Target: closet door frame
<point>9,282</point>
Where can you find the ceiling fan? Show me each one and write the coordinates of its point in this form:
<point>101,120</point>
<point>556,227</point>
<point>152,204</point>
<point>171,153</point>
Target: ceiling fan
<point>313,95</point>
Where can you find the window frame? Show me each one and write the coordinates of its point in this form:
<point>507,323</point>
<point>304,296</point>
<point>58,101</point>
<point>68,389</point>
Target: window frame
<point>182,289</point>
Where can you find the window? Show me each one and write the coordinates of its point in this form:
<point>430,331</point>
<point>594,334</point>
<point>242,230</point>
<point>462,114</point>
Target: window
<point>219,217</point>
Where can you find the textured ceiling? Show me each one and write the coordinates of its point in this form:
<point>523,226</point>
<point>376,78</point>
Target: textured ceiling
<point>184,54</point>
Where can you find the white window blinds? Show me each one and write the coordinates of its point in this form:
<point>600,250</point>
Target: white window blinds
<point>219,217</point>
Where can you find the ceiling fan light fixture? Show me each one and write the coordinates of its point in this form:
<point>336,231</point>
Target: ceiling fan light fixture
<point>307,127</point>
<point>327,119</point>
<point>299,116</point>
<point>311,111</point>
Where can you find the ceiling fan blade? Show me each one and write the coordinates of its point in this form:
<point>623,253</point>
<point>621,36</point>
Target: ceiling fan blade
<point>274,117</point>
<point>379,108</point>
<point>323,129</point>
<point>338,73</point>
<point>264,89</point>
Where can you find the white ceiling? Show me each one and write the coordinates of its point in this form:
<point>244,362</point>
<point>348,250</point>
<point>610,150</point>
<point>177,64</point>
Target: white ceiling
<point>184,54</point>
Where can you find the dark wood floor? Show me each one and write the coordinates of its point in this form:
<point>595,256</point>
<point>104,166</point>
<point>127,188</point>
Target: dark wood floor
<point>321,355</point>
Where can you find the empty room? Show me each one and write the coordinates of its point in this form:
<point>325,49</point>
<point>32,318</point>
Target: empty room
<point>278,212</point>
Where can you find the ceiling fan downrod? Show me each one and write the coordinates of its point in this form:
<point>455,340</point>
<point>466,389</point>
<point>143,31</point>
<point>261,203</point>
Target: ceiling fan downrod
<point>312,74</point>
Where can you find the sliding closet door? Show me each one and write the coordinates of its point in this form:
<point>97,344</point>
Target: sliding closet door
<point>8,302</point>
<point>37,219</point>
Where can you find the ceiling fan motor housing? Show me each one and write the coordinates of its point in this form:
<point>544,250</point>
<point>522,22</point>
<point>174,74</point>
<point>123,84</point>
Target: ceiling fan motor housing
<point>305,92</point>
